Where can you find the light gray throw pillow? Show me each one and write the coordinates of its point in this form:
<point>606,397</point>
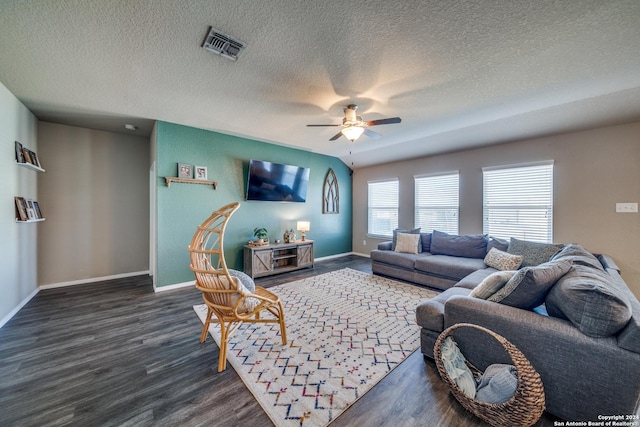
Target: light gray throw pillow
<point>492,284</point>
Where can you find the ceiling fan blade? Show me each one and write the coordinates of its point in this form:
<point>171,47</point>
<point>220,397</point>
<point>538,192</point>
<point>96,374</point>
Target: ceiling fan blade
<point>388,121</point>
<point>336,136</point>
<point>322,125</point>
<point>371,134</point>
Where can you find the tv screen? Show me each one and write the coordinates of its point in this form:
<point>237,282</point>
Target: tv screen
<point>277,183</point>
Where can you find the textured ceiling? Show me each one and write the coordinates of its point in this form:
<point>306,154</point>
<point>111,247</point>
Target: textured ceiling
<point>459,73</point>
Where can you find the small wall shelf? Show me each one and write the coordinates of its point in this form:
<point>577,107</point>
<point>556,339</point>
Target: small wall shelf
<point>170,179</point>
<point>30,166</point>
<point>30,220</point>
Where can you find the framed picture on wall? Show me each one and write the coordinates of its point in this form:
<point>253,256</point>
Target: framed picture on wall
<point>201,172</point>
<point>21,209</point>
<point>185,170</point>
<point>36,206</point>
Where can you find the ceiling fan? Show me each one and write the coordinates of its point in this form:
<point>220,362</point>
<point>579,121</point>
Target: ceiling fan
<point>353,126</point>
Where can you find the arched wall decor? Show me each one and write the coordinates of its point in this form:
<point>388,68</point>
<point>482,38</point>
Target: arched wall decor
<point>330,194</point>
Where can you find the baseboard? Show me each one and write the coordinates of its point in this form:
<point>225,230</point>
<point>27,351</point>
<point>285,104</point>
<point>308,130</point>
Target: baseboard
<point>359,254</point>
<point>174,286</point>
<point>17,308</point>
<point>93,280</point>
<point>192,282</point>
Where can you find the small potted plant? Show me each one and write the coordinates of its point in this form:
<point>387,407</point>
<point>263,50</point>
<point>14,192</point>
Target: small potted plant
<point>261,234</point>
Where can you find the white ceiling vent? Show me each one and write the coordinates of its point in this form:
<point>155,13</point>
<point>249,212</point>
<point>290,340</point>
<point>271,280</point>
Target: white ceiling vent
<point>223,44</point>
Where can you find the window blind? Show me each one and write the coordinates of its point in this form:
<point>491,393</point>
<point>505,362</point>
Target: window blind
<point>437,203</point>
<point>518,202</point>
<point>382,207</point>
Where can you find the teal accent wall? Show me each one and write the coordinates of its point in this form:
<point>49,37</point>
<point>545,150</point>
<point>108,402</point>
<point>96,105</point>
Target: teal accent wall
<point>182,207</point>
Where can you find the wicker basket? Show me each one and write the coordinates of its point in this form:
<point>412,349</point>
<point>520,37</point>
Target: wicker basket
<point>524,408</point>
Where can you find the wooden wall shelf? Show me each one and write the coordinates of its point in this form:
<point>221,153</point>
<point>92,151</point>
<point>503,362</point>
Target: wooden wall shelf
<point>170,179</point>
<point>30,166</point>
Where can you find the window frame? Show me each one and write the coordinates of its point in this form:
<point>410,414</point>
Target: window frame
<point>436,206</point>
<point>524,210</point>
<point>376,232</point>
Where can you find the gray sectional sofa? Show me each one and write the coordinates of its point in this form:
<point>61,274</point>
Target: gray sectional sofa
<point>570,313</point>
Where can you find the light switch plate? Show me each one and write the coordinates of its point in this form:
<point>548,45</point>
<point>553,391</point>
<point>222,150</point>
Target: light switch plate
<point>627,207</point>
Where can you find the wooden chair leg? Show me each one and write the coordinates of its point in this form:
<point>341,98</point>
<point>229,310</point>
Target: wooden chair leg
<point>205,328</point>
<point>224,338</point>
<point>283,327</point>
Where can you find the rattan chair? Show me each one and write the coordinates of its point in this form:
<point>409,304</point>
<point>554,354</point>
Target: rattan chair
<point>228,301</point>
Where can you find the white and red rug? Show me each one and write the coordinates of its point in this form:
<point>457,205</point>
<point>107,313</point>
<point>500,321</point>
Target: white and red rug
<point>346,330</point>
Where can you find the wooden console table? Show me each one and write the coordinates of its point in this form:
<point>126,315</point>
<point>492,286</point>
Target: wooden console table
<point>277,258</point>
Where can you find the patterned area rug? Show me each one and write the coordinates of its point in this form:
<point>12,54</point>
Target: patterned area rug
<point>346,329</point>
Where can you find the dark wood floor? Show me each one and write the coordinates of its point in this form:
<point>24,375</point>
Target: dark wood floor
<point>117,354</point>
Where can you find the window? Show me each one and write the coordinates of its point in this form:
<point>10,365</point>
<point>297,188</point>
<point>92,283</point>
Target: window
<point>518,202</point>
<point>436,202</point>
<point>383,208</point>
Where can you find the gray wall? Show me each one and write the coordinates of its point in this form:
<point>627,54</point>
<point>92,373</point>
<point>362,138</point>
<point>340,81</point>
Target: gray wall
<point>592,171</point>
<point>18,242</point>
<point>95,196</point>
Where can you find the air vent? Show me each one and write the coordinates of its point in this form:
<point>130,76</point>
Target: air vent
<point>223,44</point>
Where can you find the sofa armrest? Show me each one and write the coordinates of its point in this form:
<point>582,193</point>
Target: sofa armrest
<point>385,246</point>
<point>570,363</point>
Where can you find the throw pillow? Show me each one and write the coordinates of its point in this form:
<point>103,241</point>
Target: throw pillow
<point>528,288</point>
<point>533,253</point>
<point>239,279</point>
<point>502,260</point>
<point>491,284</point>
<point>425,239</point>
<point>590,300</point>
<point>402,230</point>
<point>408,243</point>
<point>578,256</point>
<point>468,245</point>
<point>457,369</point>
<point>495,242</point>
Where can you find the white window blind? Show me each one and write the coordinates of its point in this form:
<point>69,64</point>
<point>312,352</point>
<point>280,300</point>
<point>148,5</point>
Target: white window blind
<point>382,207</point>
<point>518,202</point>
<point>437,203</point>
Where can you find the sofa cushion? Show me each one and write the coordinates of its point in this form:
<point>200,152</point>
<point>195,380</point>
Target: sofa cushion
<point>402,230</point>
<point>533,253</point>
<point>502,260</point>
<point>528,288</point>
<point>430,313</point>
<point>425,239</point>
<point>589,299</point>
<point>492,284</point>
<point>468,245</point>
<point>578,255</point>
<point>397,258</point>
<point>500,244</point>
<point>472,280</point>
<point>408,243</point>
<point>450,267</point>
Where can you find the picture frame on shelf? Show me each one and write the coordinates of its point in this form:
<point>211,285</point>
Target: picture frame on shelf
<point>36,207</point>
<point>26,156</point>
<point>200,172</point>
<point>21,209</point>
<point>19,156</point>
<point>185,170</point>
<point>34,158</point>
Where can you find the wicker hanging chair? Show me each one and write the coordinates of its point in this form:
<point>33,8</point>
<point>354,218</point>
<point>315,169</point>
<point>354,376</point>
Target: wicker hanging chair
<point>524,408</point>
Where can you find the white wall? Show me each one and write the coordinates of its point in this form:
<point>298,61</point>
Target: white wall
<point>18,242</point>
<point>95,196</point>
<point>593,170</point>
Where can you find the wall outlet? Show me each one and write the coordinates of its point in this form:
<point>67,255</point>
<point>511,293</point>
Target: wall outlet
<point>627,207</point>
<point>364,243</point>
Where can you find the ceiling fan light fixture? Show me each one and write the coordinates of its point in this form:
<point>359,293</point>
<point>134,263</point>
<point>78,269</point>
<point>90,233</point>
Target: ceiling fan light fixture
<point>352,132</point>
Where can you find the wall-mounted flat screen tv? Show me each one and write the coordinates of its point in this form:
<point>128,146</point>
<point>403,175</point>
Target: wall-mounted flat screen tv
<point>275,182</point>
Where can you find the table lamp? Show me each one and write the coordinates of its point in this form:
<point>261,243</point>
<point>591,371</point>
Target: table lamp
<point>303,226</point>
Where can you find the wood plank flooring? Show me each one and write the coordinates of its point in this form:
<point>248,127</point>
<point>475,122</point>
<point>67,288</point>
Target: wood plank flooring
<point>117,354</point>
